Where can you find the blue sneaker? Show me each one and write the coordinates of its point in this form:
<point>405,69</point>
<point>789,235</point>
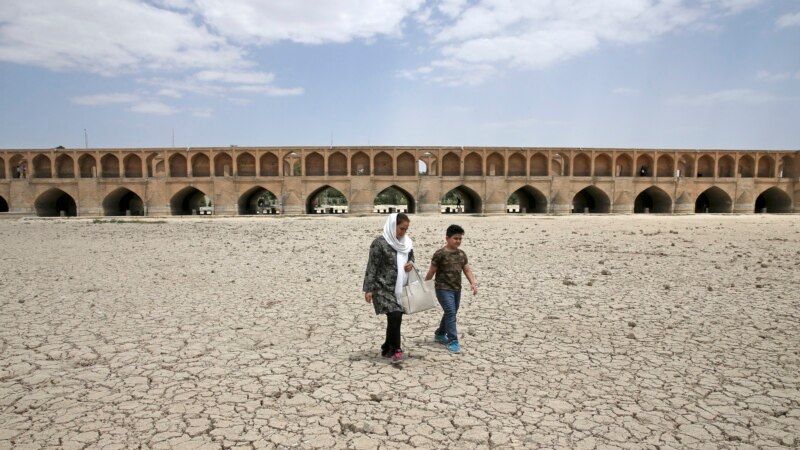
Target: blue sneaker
<point>440,338</point>
<point>453,347</point>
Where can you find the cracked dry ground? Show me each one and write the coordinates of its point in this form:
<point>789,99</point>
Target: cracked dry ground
<point>588,332</point>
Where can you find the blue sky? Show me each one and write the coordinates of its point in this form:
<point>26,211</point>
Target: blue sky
<point>536,73</point>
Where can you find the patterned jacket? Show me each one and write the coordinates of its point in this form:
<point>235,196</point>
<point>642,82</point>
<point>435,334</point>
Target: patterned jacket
<point>381,276</point>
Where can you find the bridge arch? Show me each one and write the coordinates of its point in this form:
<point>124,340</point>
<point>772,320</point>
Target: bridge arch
<point>725,167</point>
<point>2,168</point>
<point>581,165</point>
<point>495,165</point>
<point>269,165</point>
<point>360,164</point>
<point>591,199</point>
<point>665,166</point>
<point>516,165</point>
<point>560,164</point>
<point>654,200</point>
<point>406,165</point>
<point>644,166</point>
<point>187,201</point>
<point>246,165</point>
<point>315,165</point>
<point>177,166</point>
<point>3,205</point>
<point>327,198</point>
<point>223,165</point>
<point>337,164</point>
<point>201,165</point>
<point>65,166</point>
<point>53,201</point>
<point>624,166</point>
<point>133,166</point>
<point>473,165</point>
<point>16,163</point>
<point>786,169</point>
<point>121,200</point>
<point>538,165</point>
<point>392,196</point>
<point>451,165</point>
<point>602,165</point>
<point>685,166</point>
<point>705,166</point>
<point>383,164</point>
<point>109,166</point>
<point>462,199</point>
<point>258,200</point>
<point>747,167</point>
<point>766,167</point>
<point>713,200</point>
<point>87,166</point>
<point>42,167</point>
<point>531,200</point>
<point>773,201</point>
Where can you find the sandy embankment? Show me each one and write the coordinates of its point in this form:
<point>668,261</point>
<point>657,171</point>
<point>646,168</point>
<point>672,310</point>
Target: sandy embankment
<point>630,332</point>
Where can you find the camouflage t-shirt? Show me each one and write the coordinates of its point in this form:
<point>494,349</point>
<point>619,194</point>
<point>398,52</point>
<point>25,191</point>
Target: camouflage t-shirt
<point>449,266</point>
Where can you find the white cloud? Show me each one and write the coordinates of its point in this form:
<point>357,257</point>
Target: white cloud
<point>153,107</point>
<point>256,21</point>
<point>204,112</point>
<point>625,91</point>
<point>536,34</point>
<point>522,123</point>
<point>788,20</point>
<point>733,96</point>
<point>235,77</point>
<point>108,37</point>
<point>764,75</point>
<point>105,99</point>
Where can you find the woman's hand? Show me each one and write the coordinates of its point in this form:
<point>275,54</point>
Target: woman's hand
<point>408,267</point>
<point>368,297</point>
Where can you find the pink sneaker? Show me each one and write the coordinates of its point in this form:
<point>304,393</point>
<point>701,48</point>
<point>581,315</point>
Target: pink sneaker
<point>399,356</point>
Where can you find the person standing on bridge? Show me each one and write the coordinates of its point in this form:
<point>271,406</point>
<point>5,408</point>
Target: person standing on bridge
<point>390,258</point>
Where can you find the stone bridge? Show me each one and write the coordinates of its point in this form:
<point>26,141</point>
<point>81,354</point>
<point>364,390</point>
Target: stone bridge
<point>168,181</point>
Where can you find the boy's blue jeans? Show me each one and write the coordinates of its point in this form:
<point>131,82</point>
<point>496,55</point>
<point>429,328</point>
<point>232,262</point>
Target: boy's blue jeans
<point>450,300</point>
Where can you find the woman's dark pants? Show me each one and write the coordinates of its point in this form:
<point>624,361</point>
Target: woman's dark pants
<point>392,343</point>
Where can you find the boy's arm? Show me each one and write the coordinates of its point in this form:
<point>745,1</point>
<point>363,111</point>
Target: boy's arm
<point>471,278</point>
<point>431,272</point>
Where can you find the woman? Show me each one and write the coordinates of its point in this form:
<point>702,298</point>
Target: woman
<point>390,257</point>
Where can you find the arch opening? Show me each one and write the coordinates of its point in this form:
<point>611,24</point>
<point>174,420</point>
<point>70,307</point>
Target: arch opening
<point>55,202</point>
<point>188,201</point>
<point>473,165</point>
<point>773,201</point>
<point>591,200</point>
<point>766,167</point>
<point>747,167</point>
<point>223,165</point>
<point>19,167</point>
<point>315,165</point>
<point>65,167</point>
<point>123,202</point>
<point>326,200</point>
<point>495,165</point>
<point>359,164</point>
<point>269,165</point>
<point>337,164</point>
<point>713,200</point>
<point>246,165</point>
<point>665,167</point>
<point>177,166</point>
<point>3,205</point>
<point>527,199</point>
<point>42,167</point>
<point>652,200</point>
<point>516,165</point>
<point>451,166</point>
<point>685,166</point>
<point>109,166</point>
<point>2,168</point>
<point>725,167</point>
<point>602,166</point>
<point>383,164</point>
<point>394,199</point>
<point>133,166</point>
<point>258,200</point>
<point>538,166</point>
<point>645,165</point>
<point>705,166</point>
<point>462,200</point>
<point>624,166</point>
<point>406,165</point>
<point>87,166</point>
<point>201,165</point>
<point>581,165</point>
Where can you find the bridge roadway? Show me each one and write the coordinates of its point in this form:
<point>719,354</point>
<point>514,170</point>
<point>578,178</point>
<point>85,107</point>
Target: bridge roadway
<point>166,181</point>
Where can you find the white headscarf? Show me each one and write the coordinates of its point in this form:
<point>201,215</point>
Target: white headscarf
<point>403,246</point>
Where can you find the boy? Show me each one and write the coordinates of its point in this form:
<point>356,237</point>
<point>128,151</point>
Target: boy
<point>447,264</point>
